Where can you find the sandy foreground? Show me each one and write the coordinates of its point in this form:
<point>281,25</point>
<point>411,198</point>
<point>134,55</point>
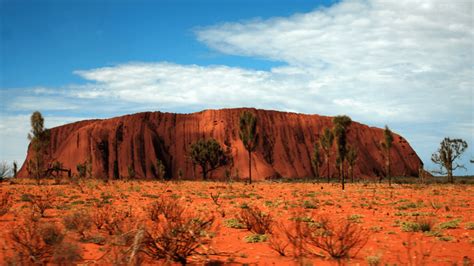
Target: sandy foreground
<point>387,216</point>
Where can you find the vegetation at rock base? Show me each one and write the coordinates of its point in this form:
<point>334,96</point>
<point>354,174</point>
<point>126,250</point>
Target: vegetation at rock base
<point>249,136</point>
<point>209,155</point>
<point>449,152</point>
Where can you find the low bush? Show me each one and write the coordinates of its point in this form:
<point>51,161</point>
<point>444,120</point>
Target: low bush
<point>340,239</point>
<point>445,238</point>
<point>355,218</point>
<point>100,214</point>
<point>42,201</point>
<point>277,240</point>
<point>295,235</point>
<point>423,225</point>
<point>117,220</point>
<point>255,220</point>
<point>79,221</point>
<point>51,234</point>
<point>166,206</point>
<point>410,227</point>
<point>255,238</point>
<point>67,253</point>
<point>178,238</point>
<point>26,197</point>
<point>409,205</point>
<point>307,204</point>
<point>426,224</point>
<point>234,223</point>
<point>470,226</point>
<point>373,260</point>
<point>453,224</point>
<point>5,203</point>
<point>36,243</point>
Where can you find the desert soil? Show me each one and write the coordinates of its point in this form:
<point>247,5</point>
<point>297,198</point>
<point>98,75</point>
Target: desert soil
<point>381,211</point>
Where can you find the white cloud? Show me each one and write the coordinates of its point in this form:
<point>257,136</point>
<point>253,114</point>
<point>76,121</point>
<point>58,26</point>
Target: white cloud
<point>401,62</point>
<point>30,103</point>
<point>14,130</point>
<point>398,60</point>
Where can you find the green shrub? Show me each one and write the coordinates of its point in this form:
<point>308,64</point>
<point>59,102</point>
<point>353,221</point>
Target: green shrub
<point>376,229</point>
<point>445,238</point>
<point>434,233</point>
<point>453,224</point>
<point>426,224</point>
<point>309,205</point>
<point>305,219</point>
<point>79,221</point>
<point>268,203</point>
<point>244,205</point>
<point>26,197</point>
<point>470,226</point>
<point>409,205</point>
<point>256,238</point>
<point>329,203</point>
<point>410,227</point>
<point>355,218</point>
<point>373,260</point>
<point>234,223</point>
<point>77,202</point>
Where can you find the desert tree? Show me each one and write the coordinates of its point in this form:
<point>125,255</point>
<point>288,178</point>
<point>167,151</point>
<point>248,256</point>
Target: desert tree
<point>316,160</point>
<point>341,124</point>
<point>39,141</point>
<point>131,172</point>
<point>88,164</point>
<point>449,151</point>
<point>248,135</point>
<point>387,144</point>
<point>326,141</point>
<point>351,160</point>
<point>338,167</point>
<point>160,170</point>
<point>208,154</point>
<point>15,169</point>
<point>84,170</point>
<point>81,170</point>
<point>5,170</point>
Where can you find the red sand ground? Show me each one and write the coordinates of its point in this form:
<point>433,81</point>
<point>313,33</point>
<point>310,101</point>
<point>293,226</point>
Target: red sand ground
<point>381,210</point>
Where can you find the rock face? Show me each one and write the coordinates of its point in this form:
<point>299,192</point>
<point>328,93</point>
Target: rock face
<point>286,142</point>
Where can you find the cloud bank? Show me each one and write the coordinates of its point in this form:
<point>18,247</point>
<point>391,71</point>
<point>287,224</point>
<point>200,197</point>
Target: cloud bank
<point>409,64</point>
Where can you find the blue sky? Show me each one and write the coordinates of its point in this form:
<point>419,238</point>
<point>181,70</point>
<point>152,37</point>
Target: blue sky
<point>64,36</point>
<point>407,64</point>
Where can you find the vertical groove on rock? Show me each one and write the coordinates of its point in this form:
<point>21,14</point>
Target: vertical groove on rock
<point>285,147</point>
